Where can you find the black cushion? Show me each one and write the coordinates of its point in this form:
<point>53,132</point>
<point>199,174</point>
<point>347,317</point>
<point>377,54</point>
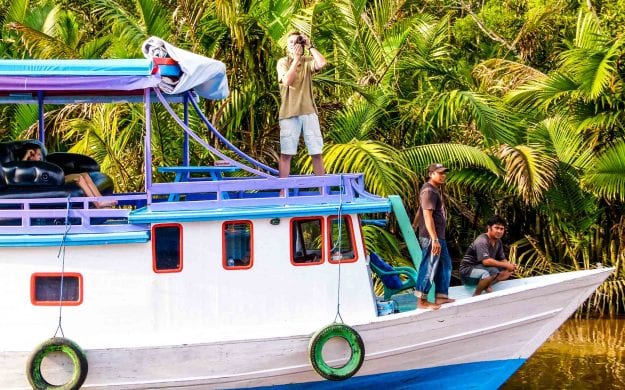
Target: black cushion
<point>10,151</point>
<point>32,174</point>
<point>101,180</point>
<point>73,162</point>
<point>45,179</point>
<point>36,192</point>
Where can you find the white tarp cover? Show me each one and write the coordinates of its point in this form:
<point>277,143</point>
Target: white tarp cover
<point>206,76</point>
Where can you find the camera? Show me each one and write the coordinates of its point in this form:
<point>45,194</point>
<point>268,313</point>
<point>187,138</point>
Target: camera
<point>300,40</point>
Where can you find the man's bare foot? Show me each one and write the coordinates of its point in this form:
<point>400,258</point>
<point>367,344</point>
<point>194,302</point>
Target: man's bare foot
<point>427,305</point>
<point>105,205</point>
<point>489,289</point>
<point>442,301</point>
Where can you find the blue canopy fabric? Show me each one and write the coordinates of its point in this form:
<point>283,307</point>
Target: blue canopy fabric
<point>95,77</point>
<point>104,67</point>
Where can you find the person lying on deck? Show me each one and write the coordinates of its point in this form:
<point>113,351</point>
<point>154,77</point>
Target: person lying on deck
<point>32,152</point>
<point>484,263</point>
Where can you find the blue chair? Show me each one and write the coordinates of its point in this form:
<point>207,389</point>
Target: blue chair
<point>389,275</point>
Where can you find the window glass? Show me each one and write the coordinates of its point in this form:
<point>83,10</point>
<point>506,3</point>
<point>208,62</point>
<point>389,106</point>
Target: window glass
<point>167,248</point>
<point>46,289</point>
<point>237,245</point>
<point>341,240</point>
<point>307,241</point>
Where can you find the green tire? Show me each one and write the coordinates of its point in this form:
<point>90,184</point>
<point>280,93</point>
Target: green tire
<point>63,345</point>
<point>321,337</point>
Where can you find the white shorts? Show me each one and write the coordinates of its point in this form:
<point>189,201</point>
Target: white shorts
<point>291,128</point>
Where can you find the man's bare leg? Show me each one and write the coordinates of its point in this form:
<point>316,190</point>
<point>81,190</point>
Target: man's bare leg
<point>284,166</point>
<point>317,161</point>
<point>503,275</point>
<point>86,184</point>
<point>483,285</point>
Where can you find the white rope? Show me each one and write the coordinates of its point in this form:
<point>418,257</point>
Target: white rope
<point>61,254</point>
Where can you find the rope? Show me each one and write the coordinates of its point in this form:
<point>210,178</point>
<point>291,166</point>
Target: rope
<point>339,239</point>
<point>61,254</point>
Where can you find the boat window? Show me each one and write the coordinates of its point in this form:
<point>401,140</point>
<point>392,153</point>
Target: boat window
<point>45,289</point>
<point>167,248</point>
<point>307,241</point>
<point>341,240</point>
<point>237,245</point>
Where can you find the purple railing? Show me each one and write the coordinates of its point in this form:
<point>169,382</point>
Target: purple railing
<point>49,215</point>
<point>255,191</point>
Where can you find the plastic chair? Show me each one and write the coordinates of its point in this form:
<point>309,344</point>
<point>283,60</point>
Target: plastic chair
<point>389,275</point>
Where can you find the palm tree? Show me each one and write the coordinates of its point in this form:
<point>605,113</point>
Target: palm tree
<point>578,114</point>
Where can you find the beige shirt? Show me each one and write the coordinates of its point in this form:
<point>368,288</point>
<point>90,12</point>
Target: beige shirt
<point>297,99</point>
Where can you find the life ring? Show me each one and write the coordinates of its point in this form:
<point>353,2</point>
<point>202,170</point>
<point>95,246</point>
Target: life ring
<point>356,345</point>
<point>63,345</point>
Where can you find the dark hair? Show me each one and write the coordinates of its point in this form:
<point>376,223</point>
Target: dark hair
<point>496,220</point>
<point>21,152</point>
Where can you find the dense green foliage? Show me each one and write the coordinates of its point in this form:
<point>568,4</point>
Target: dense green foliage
<point>522,99</point>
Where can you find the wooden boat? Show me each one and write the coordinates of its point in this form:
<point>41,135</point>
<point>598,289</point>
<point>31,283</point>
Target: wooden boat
<point>225,282</point>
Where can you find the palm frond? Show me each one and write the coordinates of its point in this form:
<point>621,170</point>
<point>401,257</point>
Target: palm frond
<point>606,177</point>
<point>131,27</point>
<point>496,123</point>
<point>95,48</point>
<point>588,33</point>
<point>594,68</point>
<point>567,142</point>
<point>572,208</point>
<point>529,170</point>
<point>41,45</point>
<point>382,242</point>
<point>499,76</point>
<point>356,121</point>
<point>454,156</point>
<point>477,180</point>
<point>543,92</point>
<point>16,11</point>
<point>383,169</point>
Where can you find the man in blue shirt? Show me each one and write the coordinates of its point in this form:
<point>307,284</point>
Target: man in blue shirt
<point>484,263</point>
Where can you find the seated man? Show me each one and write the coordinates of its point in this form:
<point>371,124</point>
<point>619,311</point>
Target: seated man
<point>32,152</point>
<point>484,263</point>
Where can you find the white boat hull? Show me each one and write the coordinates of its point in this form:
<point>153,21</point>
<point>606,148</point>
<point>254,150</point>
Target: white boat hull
<point>495,332</point>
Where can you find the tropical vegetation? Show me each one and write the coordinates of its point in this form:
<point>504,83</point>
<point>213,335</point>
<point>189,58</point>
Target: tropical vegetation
<point>524,100</point>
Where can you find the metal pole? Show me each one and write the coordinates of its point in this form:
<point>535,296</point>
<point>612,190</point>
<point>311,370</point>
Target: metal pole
<point>185,145</point>
<point>148,144</point>
<point>42,136</point>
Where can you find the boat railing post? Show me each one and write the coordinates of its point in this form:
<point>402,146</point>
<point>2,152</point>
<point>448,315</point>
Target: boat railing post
<point>185,142</point>
<point>147,145</point>
<point>42,136</point>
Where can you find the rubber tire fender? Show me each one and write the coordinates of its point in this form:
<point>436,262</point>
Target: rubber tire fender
<point>352,338</point>
<point>63,345</point>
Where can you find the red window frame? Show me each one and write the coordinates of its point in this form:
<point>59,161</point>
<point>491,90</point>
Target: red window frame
<point>224,260</point>
<point>350,229</point>
<point>36,275</point>
<point>181,257</point>
<point>322,229</point>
